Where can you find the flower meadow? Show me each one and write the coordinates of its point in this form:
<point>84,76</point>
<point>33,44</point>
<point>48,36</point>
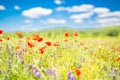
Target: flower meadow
<point>55,55</point>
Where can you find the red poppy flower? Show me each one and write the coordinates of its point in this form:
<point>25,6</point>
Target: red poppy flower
<point>0,40</point>
<point>75,33</point>
<point>19,34</point>
<point>39,39</point>
<point>78,72</point>
<point>48,43</point>
<point>41,50</point>
<point>35,37</point>
<point>7,38</point>
<point>56,44</point>
<point>67,34</point>
<point>30,44</point>
<point>1,31</point>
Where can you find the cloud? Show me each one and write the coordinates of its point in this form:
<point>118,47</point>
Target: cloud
<point>101,10</point>
<point>28,21</point>
<point>2,7</point>
<point>110,14</point>
<point>36,12</point>
<point>85,12</point>
<point>111,21</point>
<point>81,15</point>
<point>58,2</point>
<point>55,21</point>
<point>108,20</point>
<point>81,8</point>
<point>16,7</point>
<point>103,15</point>
<point>79,18</point>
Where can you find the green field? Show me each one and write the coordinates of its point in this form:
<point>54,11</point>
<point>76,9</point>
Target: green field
<point>50,55</point>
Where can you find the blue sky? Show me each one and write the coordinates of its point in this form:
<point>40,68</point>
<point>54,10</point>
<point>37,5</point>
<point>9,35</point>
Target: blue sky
<point>33,15</point>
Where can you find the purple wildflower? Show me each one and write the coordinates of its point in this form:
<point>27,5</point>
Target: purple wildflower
<point>35,72</point>
<point>54,74</point>
<point>22,61</point>
<point>51,72</point>
<point>21,52</point>
<point>48,72</point>
<point>70,76</point>
<point>115,71</point>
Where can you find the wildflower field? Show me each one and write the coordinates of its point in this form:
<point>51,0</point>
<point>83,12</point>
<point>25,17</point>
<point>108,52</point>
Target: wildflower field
<point>59,55</point>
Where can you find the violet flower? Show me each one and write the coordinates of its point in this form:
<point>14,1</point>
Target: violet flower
<point>70,76</point>
<point>22,61</point>
<point>48,72</point>
<point>35,70</point>
<point>21,52</point>
<point>36,73</point>
<point>51,72</point>
<point>115,71</point>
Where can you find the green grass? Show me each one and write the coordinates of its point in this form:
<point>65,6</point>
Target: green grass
<point>94,53</point>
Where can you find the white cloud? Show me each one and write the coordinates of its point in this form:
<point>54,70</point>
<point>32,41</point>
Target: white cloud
<point>2,7</point>
<point>16,7</point>
<point>78,20</point>
<point>101,10</point>
<point>28,21</point>
<point>110,14</point>
<point>36,12</point>
<point>108,20</point>
<point>81,8</point>
<point>58,2</point>
<point>82,15</point>
<point>55,21</point>
<point>111,21</point>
